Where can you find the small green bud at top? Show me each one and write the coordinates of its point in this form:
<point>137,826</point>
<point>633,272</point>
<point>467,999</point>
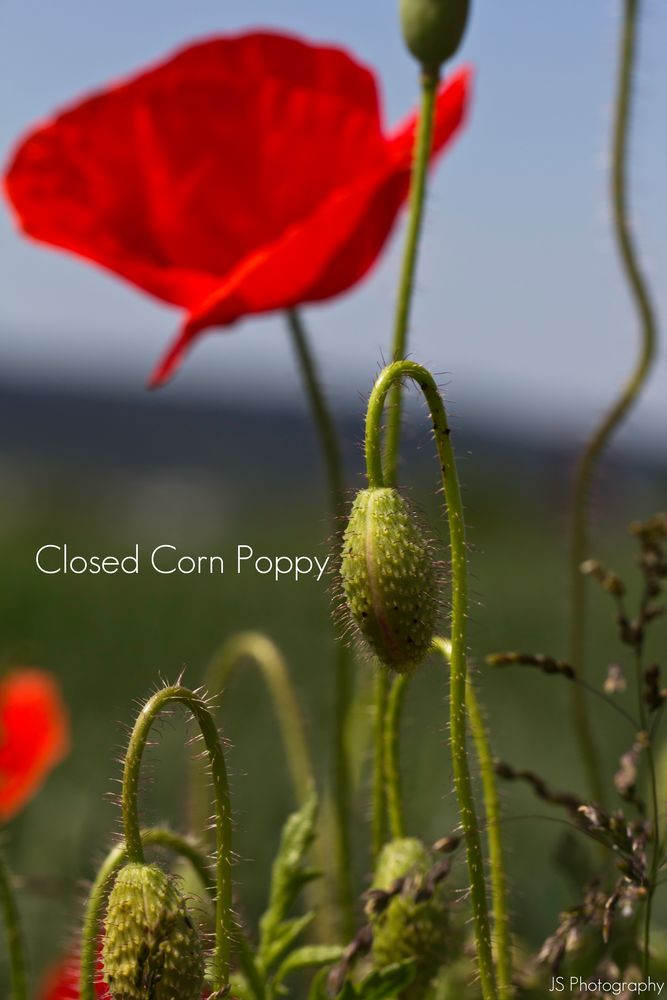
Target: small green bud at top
<point>433,29</point>
<point>388,578</point>
<point>416,922</point>
<point>151,946</point>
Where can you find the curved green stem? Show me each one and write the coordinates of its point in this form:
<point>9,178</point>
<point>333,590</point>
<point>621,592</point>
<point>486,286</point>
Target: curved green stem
<point>392,765</point>
<point>600,439</point>
<point>271,663</point>
<point>14,936</point>
<point>501,925</point>
<point>458,666</point>
<point>224,921</point>
<point>117,857</point>
<point>343,666</point>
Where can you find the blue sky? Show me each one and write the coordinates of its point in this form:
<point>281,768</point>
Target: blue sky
<point>519,298</point>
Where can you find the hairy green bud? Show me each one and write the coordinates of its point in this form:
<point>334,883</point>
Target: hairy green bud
<point>388,578</point>
<point>433,29</point>
<point>410,915</point>
<point>151,946</point>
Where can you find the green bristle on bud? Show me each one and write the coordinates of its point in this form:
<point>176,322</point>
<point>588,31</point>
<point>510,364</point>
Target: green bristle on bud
<point>415,923</point>
<point>433,29</point>
<point>151,947</point>
<point>389,579</point>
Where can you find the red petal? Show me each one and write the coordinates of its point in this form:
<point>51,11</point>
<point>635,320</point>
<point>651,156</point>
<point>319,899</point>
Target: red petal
<point>34,735</point>
<point>332,249</point>
<point>242,175</point>
<point>172,177</point>
<point>62,982</point>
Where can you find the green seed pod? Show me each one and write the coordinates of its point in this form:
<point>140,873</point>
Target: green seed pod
<point>151,947</point>
<point>433,29</point>
<point>416,922</point>
<point>388,578</point>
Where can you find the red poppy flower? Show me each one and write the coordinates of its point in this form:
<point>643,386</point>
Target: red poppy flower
<point>34,735</point>
<point>243,175</point>
<point>62,982</point>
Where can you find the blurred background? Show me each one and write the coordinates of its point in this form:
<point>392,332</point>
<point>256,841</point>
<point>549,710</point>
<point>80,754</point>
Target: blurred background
<point>521,312</point>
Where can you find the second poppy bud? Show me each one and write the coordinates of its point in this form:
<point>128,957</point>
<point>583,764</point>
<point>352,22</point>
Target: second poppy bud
<point>433,29</point>
<point>151,946</point>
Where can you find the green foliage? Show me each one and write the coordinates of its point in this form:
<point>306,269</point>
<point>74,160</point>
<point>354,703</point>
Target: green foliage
<point>381,984</point>
<point>310,956</point>
<point>279,931</point>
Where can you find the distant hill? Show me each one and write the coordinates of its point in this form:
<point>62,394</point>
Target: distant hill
<point>75,432</point>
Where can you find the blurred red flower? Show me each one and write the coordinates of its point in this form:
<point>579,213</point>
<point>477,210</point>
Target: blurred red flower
<point>243,175</point>
<point>34,735</point>
<point>62,982</point>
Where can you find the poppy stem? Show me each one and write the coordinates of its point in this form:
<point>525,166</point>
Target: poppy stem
<point>422,149</point>
<point>14,936</point>
<point>266,655</point>
<point>378,812</point>
<point>330,448</point>
<point>600,438</point>
<point>501,926</point>
<point>458,659</point>
<point>114,861</point>
<point>392,764</point>
<point>224,920</point>
<point>423,143</point>
<point>324,424</point>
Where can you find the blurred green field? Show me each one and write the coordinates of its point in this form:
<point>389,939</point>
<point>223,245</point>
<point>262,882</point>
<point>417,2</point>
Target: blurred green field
<point>111,639</point>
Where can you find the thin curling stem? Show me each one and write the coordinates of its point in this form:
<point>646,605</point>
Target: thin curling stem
<point>501,925</point>
<point>458,667</point>
<point>14,936</point>
<point>648,328</point>
<point>392,763</point>
<point>330,449</point>
<point>116,858</point>
<point>265,654</point>
<point>176,694</point>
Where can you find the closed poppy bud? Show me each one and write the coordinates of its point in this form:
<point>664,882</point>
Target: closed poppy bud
<point>389,579</point>
<point>410,915</point>
<point>151,946</point>
<point>433,29</point>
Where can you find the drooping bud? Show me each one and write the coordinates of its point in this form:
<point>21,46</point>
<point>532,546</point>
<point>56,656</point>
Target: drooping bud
<point>433,29</point>
<point>151,946</point>
<point>388,578</point>
<point>410,915</point>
